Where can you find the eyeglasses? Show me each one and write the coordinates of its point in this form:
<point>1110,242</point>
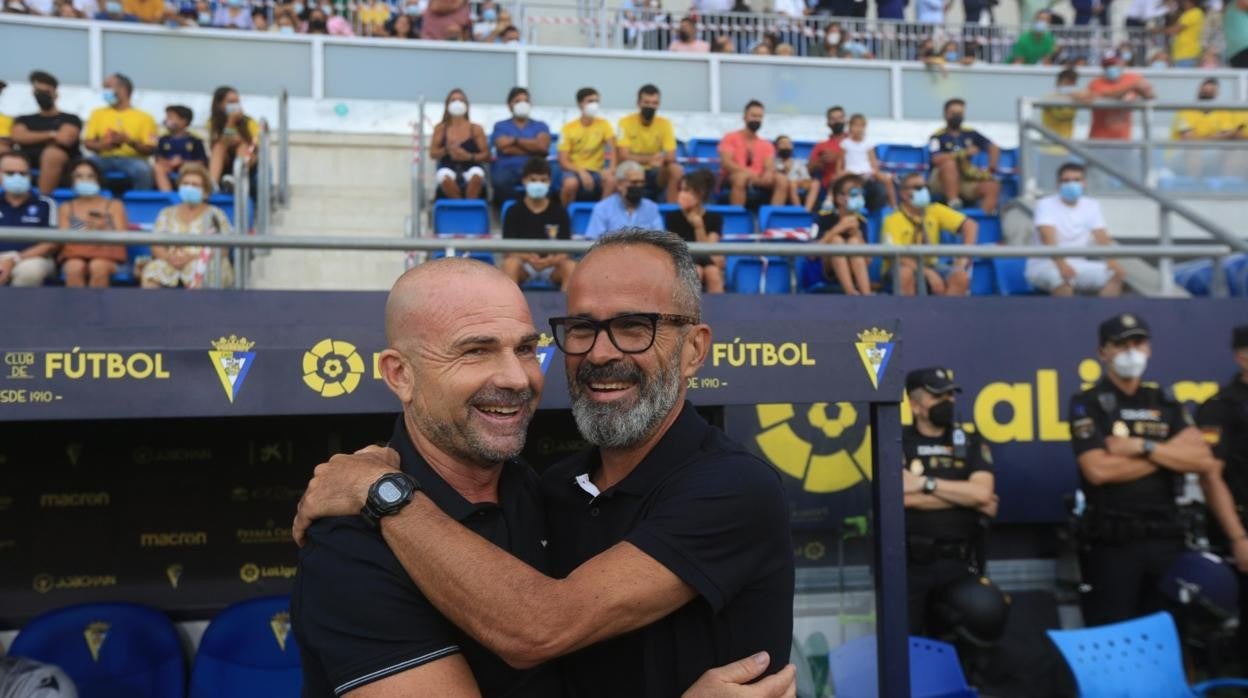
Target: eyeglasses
<point>632,333</point>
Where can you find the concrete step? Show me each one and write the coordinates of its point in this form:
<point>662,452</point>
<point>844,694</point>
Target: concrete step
<point>327,270</point>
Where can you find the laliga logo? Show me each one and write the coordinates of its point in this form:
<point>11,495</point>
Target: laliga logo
<point>828,450</point>
<point>332,368</point>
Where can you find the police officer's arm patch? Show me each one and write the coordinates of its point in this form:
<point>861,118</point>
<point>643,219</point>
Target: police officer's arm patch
<point>1083,428</point>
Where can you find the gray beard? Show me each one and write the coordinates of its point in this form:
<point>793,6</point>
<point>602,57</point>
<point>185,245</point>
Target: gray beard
<point>623,426</point>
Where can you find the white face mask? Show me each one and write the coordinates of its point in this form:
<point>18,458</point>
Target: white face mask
<point>834,39</point>
<point>457,108</point>
<point>590,109</point>
<point>1130,364</point>
<point>521,109</point>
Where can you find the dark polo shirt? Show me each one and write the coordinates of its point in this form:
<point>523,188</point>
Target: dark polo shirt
<point>714,515</point>
<point>358,617</point>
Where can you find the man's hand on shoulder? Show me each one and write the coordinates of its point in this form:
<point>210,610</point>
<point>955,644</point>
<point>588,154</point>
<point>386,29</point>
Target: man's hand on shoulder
<point>729,681</point>
<point>340,486</point>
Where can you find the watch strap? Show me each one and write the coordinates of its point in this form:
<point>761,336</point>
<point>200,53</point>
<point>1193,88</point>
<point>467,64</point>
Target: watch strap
<point>373,510</point>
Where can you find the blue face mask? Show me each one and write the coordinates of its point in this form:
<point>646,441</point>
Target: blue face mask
<point>921,198</point>
<point>489,15</point>
<point>191,194</point>
<point>205,18</point>
<point>109,97</point>
<point>1070,191</point>
<point>951,57</point>
<point>17,184</point>
<point>1113,73</point>
<point>86,188</point>
<point>412,10</point>
<point>856,203</point>
<point>235,3</point>
<point>536,190</point>
<point>297,7</point>
<point>285,29</point>
<point>113,7</point>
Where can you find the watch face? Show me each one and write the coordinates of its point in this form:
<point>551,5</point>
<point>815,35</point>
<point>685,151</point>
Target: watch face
<point>389,493</point>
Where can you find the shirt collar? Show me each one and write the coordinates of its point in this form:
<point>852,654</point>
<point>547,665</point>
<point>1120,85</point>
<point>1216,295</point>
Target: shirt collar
<point>681,442</point>
<point>431,483</point>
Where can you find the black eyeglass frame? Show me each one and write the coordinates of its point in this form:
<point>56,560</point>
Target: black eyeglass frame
<point>599,326</point>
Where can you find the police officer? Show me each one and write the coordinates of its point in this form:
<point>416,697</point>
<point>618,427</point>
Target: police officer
<point>1224,421</point>
<point>948,485</point>
<point>1133,443</point>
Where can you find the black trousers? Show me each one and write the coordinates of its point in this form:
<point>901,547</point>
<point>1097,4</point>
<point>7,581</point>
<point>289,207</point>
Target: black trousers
<point>1239,60</point>
<point>1125,578</point>
<point>923,584</point>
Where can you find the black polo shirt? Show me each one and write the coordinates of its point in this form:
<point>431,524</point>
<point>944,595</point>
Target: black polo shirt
<point>1102,411</point>
<point>714,515</point>
<point>33,212</point>
<point>944,458</point>
<point>1224,421</point>
<point>358,617</point>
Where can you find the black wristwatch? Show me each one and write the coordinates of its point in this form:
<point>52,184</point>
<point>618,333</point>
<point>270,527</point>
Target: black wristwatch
<point>1148,448</point>
<point>388,496</point>
<point>929,485</point>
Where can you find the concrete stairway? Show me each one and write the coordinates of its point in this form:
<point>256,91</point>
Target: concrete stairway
<point>340,186</point>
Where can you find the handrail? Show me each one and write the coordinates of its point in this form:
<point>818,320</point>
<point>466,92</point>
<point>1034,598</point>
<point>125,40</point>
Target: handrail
<point>283,148</point>
<point>1146,105</point>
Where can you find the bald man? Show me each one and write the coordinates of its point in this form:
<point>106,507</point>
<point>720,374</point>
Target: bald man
<point>462,361</point>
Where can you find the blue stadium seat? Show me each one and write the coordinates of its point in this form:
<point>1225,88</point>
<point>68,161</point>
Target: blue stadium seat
<point>665,209</point>
<point>801,149</point>
<point>1150,665</point>
<point>225,202</point>
<point>479,256</point>
<point>989,226</point>
<point>810,278</point>
<point>579,213</point>
<point>983,278</point>
<point>461,217</point>
<point>142,207</point>
<point>248,651</point>
<point>898,158</point>
<point>502,213</point>
<point>702,149</point>
<point>1237,275</point>
<point>783,217</point>
<point>1008,272</point>
<point>737,220</point>
<point>110,650</point>
<point>935,671</point>
<point>769,275</point>
<point>682,150</point>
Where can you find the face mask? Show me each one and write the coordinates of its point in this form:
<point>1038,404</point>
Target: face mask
<point>834,39</point>
<point>941,414</point>
<point>590,109</point>
<point>954,122</point>
<point>191,194</point>
<point>109,97</point>
<point>536,190</point>
<point>235,3</point>
<point>17,184</point>
<point>489,15</point>
<point>205,18</point>
<point>1112,73</point>
<point>634,195</point>
<point>785,153</point>
<point>170,126</point>
<point>297,7</point>
<point>85,187</point>
<point>285,29</point>
<point>316,25</point>
<point>1040,27</point>
<point>511,42</point>
<point>951,57</point>
<point>921,198</point>
<point>521,109</point>
<point>838,127</point>
<point>113,8</point>
<point>686,36</point>
<point>647,113</point>
<point>45,100</point>
<point>856,203</point>
<point>1130,364</point>
<point>233,107</point>
<point>1125,55</point>
<point>457,108</point>
<point>1065,89</point>
<point>413,10</point>
<point>1207,97</point>
<point>1070,191</point>
<point>754,125</point>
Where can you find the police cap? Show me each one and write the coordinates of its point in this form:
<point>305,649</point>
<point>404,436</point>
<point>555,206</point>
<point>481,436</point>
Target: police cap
<point>1123,327</point>
<point>935,380</point>
<point>1239,337</point>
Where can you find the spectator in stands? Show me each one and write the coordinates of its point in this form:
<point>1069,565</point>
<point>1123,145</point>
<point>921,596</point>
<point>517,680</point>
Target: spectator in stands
<point>920,221</point>
<point>628,207</point>
<point>972,9</point>
<point>1207,125</point>
<point>177,146</point>
<point>693,223</point>
<point>827,158</point>
<point>49,137</point>
<point>373,17</point>
<point>122,136</point>
<point>1088,10</point>
<point>260,20</point>
<point>587,152</point>
<point>1235,32</point>
<point>514,141</point>
<point>537,216</point>
<point>318,22</point>
<point>285,22</point>
<point>723,44</point>
<point>931,11</point>
<point>510,35</point>
<point>785,49</point>
<point>1035,46</point>
<point>86,264</point>
<point>795,171</point>
<point>231,134</point>
<point>650,141</point>
<point>687,40</point>
<point>115,11</point>
<point>1116,84</point>
<point>1186,34</point>
<point>21,207</point>
<point>6,127</point>
<point>843,225</point>
<point>859,158</point>
<point>149,11</point>
<point>485,22</point>
<point>404,27</point>
<point>1070,219</point>
<point>830,47</point>
<point>461,149</point>
<point>232,14</point>
<point>188,266</point>
<point>761,49</point>
<point>441,15</point>
<point>748,162</point>
<point>1061,120</point>
<point>953,149</point>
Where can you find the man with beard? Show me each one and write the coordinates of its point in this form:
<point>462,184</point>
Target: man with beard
<point>669,543</point>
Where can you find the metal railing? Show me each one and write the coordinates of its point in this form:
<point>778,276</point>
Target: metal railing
<point>283,149</point>
<point>452,247</point>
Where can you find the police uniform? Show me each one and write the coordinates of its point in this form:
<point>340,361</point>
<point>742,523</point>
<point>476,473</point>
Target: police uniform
<point>1130,533</point>
<point>1224,421</point>
<point>941,544</point>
